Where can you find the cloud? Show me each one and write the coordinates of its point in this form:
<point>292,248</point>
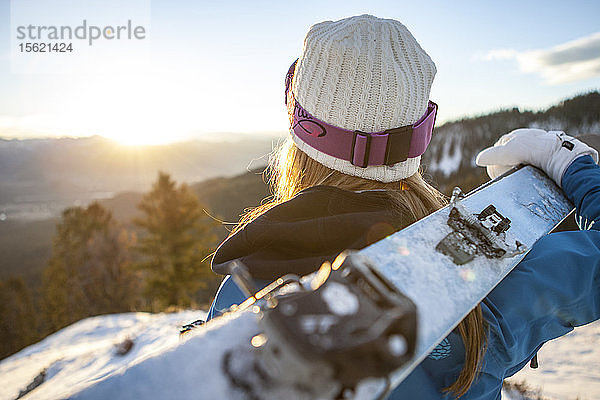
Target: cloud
<point>568,62</point>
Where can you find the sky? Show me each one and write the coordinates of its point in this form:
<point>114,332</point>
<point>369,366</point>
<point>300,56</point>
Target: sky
<point>206,68</point>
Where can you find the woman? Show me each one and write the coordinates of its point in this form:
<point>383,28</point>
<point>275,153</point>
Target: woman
<point>360,119</point>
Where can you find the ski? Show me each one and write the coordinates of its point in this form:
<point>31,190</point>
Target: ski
<point>358,326</point>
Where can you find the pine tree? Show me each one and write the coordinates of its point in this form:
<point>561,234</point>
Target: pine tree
<point>176,241</point>
<point>18,320</point>
<point>89,272</point>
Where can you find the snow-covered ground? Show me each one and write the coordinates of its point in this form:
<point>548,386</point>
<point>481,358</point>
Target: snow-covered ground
<point>569,367</point>
<point>87,351</point>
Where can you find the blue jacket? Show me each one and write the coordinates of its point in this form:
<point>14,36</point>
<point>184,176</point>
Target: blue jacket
<point>554,289</point>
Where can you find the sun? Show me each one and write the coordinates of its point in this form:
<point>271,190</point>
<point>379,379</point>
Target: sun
<point>136,139</point>
<point>141,126</point>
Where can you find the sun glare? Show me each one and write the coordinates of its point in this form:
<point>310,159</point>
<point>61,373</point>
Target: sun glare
<point>133,139</point>
<point>138,116</point>
<point>138,110</point>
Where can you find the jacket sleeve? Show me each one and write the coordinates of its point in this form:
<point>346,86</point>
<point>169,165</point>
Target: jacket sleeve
<point>581,183</point>
<point>555,288</point>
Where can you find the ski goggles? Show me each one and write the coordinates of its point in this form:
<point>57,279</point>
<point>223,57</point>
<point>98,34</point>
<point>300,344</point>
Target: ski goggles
<point>362,149</point>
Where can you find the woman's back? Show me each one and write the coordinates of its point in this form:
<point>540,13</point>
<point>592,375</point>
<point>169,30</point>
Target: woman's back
<point>360,118</point>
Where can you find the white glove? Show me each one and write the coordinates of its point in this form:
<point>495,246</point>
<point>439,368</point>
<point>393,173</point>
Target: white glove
<point>552,152</point>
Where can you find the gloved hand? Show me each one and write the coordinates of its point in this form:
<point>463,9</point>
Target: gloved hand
<point>552,152</point>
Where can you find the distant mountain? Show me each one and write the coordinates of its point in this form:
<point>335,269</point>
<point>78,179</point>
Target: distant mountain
<point>449,161</point>
<point>39,177</point>
<point>223,198</point>
<point>83,168</point>
<point>450,158</point>
<point>226,198</point>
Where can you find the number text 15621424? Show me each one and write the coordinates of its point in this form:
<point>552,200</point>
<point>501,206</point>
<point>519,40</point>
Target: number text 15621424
<point>46,47</point>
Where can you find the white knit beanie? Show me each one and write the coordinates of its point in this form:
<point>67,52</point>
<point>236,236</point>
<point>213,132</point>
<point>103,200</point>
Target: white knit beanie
<point>363,73</point>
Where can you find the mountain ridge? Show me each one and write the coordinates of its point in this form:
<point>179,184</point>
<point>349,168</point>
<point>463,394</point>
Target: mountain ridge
<point>448,162</point>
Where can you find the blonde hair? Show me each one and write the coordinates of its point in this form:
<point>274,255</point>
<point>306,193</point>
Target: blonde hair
<point>292,171</point>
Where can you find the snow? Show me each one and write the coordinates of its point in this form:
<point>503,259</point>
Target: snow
<point>514,395</point>
<point>449,162</point>
<point>84,353</point>
<point>569,367</point>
